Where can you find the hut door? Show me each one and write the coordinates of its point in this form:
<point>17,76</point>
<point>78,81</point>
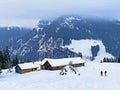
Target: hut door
<point>47,67</point>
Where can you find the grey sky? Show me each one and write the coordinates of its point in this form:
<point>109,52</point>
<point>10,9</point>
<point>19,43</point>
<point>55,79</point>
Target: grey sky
<point>29,12</point>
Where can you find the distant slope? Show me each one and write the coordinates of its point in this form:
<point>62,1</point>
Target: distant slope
<point>84,46</point>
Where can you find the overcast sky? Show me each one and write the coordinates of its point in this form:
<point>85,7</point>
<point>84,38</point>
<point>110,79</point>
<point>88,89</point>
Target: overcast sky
<point>29,12</point>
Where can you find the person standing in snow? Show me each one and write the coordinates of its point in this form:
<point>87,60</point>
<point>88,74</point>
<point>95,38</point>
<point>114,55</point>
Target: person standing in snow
<point>101,73</point>
<point>105,73</point>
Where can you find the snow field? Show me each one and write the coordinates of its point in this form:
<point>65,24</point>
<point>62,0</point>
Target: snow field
<point>89,79</point>
<point>84,46</point>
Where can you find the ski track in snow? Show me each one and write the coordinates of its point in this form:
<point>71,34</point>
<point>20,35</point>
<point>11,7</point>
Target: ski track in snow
<point>89,79</point>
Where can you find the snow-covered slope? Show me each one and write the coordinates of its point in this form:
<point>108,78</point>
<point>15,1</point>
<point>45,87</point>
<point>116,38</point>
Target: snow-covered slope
<point>84,46</point>
<point>89,79</point>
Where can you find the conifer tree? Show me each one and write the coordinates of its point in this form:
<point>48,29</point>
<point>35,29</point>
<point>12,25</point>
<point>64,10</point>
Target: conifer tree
<point>1,59</point>
<point>6,59</point>
<point>15,61</point>
<point>119,59</point>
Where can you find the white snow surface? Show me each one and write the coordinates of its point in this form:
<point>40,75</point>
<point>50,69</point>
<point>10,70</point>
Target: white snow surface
<point>89,79</point>
<point>72,18</point>
<point>84,46</point>
<point>63,61</point>
<point>29,65</point>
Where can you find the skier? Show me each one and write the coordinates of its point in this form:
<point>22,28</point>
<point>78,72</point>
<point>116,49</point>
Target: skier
<point>101,73</point>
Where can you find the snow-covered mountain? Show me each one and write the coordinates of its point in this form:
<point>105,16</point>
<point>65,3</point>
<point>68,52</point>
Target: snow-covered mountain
<point>9,35</point>
<point>49,38</point>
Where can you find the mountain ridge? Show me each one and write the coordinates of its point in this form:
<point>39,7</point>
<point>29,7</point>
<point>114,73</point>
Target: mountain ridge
<point>46,39</point>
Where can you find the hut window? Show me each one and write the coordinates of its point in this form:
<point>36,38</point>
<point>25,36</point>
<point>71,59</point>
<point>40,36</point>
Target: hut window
<point>57,67</point>
<point>35,68</point>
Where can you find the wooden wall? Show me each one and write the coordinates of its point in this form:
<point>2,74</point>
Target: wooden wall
<point>60,67</point>
<point>21,71</point>
<point>28,70</point>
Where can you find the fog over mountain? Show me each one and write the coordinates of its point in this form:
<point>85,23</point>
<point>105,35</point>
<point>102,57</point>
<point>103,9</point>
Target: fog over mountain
<point>46,32</point>
<point>28,12</point>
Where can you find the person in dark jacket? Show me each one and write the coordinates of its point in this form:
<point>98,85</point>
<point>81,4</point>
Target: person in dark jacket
<point>101,73</point>
<point>105,73</point>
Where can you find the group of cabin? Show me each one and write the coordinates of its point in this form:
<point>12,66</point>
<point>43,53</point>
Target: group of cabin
<point>49,64</point>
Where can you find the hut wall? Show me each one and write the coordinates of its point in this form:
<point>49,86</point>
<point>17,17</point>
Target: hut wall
<point>29,70</point>
<point>42,67</point>
<point>46,66</point>
<point>78,65</point>
<point>57,67</point>
<point>18,69</point>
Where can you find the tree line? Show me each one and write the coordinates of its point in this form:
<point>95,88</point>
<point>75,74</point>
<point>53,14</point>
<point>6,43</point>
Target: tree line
<point>5,60</point>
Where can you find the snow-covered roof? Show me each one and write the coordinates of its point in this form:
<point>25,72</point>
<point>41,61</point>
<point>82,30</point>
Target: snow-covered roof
<point>63,61</point>
<point>29,65</point>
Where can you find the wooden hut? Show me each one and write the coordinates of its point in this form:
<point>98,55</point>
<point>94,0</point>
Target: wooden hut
<point>27,67</point>
<point>57,64</point>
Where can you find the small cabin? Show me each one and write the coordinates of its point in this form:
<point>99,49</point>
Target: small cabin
<point>27,67</point>
<point>57,64</point>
